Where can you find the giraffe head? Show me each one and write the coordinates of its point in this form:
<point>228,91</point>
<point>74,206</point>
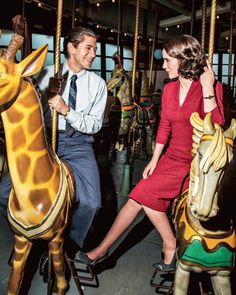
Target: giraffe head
<point>12,73</point>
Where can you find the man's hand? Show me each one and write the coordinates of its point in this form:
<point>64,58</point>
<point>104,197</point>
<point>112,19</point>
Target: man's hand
<point>54,86</point>
<point>57,102</point>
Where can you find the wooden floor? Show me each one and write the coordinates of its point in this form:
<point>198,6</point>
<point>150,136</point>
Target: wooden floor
<point>128,269</point>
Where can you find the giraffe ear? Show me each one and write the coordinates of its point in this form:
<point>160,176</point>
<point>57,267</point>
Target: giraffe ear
<point>33,63</point>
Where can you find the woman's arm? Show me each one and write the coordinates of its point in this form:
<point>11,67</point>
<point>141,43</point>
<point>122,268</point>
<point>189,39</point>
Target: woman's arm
<point>207,80</point>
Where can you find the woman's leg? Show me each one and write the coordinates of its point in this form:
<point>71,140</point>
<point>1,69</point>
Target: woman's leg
<point>161,223</point>
<point>125,217</point>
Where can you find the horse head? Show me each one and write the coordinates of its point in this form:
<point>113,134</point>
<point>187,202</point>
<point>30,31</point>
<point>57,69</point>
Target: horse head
<point>212,150</point>
<point>120,79</point>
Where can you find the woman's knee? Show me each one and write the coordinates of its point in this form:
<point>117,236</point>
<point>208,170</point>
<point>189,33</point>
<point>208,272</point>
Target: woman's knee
<point>133,204</point>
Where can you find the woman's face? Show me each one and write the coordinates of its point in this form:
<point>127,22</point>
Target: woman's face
<point>170,65</point>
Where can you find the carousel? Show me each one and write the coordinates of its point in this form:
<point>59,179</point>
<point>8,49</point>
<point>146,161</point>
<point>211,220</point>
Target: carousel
<point>35,252</point>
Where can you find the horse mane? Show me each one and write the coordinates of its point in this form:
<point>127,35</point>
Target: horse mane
<point>218,153</point>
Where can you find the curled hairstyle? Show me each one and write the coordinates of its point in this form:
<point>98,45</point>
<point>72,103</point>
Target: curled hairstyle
<point>76,36</point>
<point>191,56</point>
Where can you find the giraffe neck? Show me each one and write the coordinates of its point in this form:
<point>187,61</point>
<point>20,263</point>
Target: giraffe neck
<point>32,166</point>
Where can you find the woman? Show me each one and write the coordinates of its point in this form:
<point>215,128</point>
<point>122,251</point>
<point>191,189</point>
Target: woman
<point>191,89</point>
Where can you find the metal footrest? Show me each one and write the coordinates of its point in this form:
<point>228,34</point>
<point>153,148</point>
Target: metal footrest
<point>82,274</point>
<point>165,282</point>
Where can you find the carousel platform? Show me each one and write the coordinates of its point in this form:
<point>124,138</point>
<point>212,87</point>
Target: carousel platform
<point>128,270</point>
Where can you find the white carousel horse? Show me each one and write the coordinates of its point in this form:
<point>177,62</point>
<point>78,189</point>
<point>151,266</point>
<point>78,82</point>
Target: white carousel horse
<point>205,233</point>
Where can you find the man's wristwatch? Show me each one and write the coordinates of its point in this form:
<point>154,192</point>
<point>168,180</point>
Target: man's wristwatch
<point>66,113</point>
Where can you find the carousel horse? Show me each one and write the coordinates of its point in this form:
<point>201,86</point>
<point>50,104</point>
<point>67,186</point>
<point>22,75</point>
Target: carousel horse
<point>132,118</point>
<point>42,192</point>
<point>144,122</point>
<point>205,231</point>
<point>121,112</point>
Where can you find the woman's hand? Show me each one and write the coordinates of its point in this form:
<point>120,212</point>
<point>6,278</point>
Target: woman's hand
<point>207,79</point>
<point>149,169</point>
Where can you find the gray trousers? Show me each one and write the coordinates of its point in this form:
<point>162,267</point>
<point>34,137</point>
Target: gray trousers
<point>77,151</point>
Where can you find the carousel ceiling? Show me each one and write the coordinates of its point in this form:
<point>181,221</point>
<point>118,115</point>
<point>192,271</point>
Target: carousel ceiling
<point>173,17</point>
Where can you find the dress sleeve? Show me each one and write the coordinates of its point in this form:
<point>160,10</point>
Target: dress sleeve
<point>164,128</point>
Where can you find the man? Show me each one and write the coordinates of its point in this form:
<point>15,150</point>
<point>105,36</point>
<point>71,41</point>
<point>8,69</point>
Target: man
<point>79,97</point>
<point>85,118</point>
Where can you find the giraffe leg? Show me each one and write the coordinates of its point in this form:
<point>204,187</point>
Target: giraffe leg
<point>56,250</point>
<point>22,250</point>
<point>221,284</point>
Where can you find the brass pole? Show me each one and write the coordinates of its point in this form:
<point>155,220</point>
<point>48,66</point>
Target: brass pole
<point>212,30</point>
<point>230,43</point>
<point>73,15</point>
<point>56,68</point>
<point>118,31</point>
<point>135,47</point>
<point>192,17</point>
<point>155,30</point>
<point>203,24</point>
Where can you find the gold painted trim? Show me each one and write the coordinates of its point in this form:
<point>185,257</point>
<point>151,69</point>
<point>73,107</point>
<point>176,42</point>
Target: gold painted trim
<point>210,137</point>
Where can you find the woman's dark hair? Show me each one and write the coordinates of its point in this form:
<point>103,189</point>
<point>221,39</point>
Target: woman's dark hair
<point>76,36</point>
<point>191,56</point>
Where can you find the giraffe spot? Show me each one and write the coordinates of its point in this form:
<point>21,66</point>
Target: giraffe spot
<point>43,169</point>
<point>15,206</point>
<point>18,138</point>
<point>38,143</point>
<point>23,163</point>
<point>27,91</point>
<point>40,200</point>
<point>35,121</point>
<point>15,116</point>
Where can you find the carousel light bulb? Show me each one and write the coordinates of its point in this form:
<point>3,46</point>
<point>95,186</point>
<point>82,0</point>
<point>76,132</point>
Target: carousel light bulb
<point>113,1</point>
<point>178,26</point>
<point>97,26</point>
<point>125,34</point>
<point>39,4</point>
<point>167,29</point>
<point>98,4</point>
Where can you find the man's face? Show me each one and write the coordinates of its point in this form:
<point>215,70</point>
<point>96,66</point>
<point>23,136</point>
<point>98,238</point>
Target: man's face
<point>83,56</point>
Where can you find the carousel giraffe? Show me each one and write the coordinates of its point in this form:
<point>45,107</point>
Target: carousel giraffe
<point>42,192</point>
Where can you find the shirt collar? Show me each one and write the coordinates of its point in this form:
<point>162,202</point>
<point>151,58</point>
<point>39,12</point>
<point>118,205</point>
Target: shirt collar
<point>70,73</point>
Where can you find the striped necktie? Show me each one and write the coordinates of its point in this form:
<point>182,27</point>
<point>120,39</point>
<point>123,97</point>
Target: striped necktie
<point>72,103</point>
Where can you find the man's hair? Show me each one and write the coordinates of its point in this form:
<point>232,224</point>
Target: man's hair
<point>191,56</point>
<point>76,36</point>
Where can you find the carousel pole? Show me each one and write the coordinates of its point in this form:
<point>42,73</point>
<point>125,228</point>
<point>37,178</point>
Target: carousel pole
<point>135,48</point>
<point>192,18</point>
<point>155,30</point>
<point>73,14</point>
<point>230,44</point>
<point>203,37</point>
<point>56,68</point>
<point>212,30</point>
<point>126,177</point>
<point>118,27</point>
<point>54,117</point>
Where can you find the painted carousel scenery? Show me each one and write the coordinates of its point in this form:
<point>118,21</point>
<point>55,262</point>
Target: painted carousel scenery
<point>117,147</point>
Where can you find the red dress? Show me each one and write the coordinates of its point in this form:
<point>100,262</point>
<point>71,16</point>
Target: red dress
<point>164,184</point>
